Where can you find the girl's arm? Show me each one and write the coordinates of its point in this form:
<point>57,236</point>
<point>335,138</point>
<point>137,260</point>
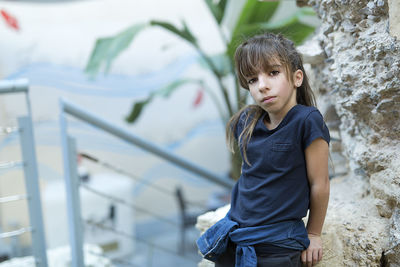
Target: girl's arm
<point>316,154</point>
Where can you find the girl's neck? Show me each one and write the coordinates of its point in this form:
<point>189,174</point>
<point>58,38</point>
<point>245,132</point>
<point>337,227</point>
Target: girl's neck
<point>273,120</point>
<point>271,125</point>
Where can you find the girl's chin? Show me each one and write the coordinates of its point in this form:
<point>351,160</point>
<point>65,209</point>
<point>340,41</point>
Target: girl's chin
<point>271,106</point>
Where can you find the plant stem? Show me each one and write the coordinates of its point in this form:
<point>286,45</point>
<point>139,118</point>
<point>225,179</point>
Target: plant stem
<point>218,77</point>
<point>237,88</point>
<point>232,70</point>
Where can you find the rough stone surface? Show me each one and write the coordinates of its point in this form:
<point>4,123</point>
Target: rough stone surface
<point>354,233</point>
<point>360,77</point>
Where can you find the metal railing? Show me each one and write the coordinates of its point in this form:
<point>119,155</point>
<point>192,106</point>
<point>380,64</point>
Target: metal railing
<point>29,165</point>
<point>73,183</point>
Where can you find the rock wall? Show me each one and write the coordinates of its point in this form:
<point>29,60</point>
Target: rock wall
<point>354,67</point>
<point>360,78</point>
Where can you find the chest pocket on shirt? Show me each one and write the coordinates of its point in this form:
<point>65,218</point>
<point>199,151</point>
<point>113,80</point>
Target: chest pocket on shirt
<point>281,155</point>
<point>282,147</point>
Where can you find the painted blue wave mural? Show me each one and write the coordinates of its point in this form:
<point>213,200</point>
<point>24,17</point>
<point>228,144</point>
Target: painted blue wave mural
<point>74,80</point>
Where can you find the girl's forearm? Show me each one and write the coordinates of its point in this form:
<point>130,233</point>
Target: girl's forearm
<point>319,198</point>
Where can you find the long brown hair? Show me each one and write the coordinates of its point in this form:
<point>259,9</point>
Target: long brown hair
<point>255,55</point>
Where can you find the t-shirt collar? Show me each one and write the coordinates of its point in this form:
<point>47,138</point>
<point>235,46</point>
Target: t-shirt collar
<point>281,124</point>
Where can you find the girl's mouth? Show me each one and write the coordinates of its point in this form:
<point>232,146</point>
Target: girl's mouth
<point>268,99</point>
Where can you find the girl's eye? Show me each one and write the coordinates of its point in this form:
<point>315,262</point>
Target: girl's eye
<point>274,73</point>
<point>253,80</point>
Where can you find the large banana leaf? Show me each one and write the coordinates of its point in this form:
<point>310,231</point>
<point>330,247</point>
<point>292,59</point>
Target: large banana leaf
<point>253,12</point>
<point>217,8</point>
<point>107,49</point>
<point>256,11</point>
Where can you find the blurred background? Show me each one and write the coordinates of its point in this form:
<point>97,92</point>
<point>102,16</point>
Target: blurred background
<point>160,70</point>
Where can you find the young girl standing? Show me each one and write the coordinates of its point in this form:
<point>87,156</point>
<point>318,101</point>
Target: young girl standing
<point>284,142</point>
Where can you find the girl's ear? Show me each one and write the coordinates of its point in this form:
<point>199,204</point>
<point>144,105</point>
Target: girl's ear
<point>298,78</point>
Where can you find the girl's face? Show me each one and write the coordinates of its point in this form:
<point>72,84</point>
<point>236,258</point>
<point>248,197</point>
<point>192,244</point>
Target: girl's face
<point>272,90</point>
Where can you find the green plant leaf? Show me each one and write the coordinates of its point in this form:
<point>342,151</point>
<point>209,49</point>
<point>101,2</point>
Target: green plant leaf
<point>184,34</point>
<point>162,92</point>
<point>137,110</point>
<point>107,49</point>
<point>256,11</point>
<point>253,12</point>
<point>220,61</point>
<point>171,87</point>
<point>297,32</point>
<point>291,28</point>
<point>217,9</point>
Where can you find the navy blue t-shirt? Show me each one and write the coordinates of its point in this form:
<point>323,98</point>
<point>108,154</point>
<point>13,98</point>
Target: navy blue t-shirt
<point>275,186</point>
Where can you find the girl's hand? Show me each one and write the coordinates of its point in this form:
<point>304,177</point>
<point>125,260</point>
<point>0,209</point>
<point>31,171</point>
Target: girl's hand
<point>313,254</point>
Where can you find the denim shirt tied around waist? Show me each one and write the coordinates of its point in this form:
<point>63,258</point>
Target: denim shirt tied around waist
<point>215,240</point>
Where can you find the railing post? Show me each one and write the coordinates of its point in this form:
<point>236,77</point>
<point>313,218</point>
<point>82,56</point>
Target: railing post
<point>32,189</point>
<point>72,190</point>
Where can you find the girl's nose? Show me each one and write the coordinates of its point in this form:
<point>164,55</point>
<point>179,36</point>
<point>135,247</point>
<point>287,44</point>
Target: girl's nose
<point>263,82</point>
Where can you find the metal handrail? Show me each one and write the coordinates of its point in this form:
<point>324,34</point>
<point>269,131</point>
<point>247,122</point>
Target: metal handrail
<point>14,86</point>
<point>29,165</point>
<point>92,119</point>
<point>15,233</point>
<point>17,86</point>
<point>10,164</point>
<point>12,198</point>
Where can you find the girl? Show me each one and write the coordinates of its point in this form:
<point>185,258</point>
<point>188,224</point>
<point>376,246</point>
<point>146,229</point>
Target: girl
<point>284,142</point>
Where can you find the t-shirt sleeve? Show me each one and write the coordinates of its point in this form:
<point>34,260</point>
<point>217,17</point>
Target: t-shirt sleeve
<point>315,127</point>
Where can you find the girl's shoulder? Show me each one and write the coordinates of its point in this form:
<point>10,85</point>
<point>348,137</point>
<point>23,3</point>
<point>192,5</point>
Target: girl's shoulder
<point>304,112</point>
<point>313,125</point>
<point>307,109</point>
